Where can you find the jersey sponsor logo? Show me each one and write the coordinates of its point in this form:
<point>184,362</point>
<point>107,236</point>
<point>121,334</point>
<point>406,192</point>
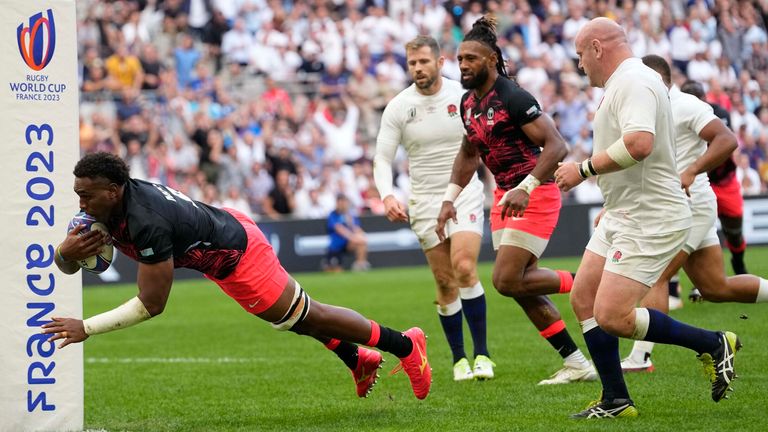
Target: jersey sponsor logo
<point>478,114</point>
<point>616,257</point>
<point>37,42</point>
<point>253,305</point>
<point>452,111</point>
<point>468,117</point>
<point>489,115</point>
<point>411,113</point>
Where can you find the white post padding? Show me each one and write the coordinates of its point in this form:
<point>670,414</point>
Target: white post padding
<point>41,387</point>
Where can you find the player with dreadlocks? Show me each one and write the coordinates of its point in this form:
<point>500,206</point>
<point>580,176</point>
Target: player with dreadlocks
<point>518,142</point>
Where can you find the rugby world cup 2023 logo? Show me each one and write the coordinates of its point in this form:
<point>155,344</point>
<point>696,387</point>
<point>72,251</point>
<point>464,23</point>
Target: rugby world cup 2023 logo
<point>37,41</point>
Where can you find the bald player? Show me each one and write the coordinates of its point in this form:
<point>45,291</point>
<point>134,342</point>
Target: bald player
<point>703,142</point>
<point>634,159</point>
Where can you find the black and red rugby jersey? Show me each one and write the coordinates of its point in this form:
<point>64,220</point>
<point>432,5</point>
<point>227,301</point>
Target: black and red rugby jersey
<point>159,223</point>
<point>494,124</point>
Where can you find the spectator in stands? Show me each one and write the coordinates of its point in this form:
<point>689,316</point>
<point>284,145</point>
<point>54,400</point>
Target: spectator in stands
<point>125,68</point>
<point>97,80</point>
<point>186,57</point>
<point>748,177</point>
<point>236,44</point>
<point>346,236</point>
<point>280,201</point>
<point>213,36</point>
<point>363,90</point>
<point>571,109</point>
<point>340,130</point>
<point>152,67</point>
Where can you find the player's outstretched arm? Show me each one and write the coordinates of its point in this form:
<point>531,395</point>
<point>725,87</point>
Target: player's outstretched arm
<point>155,282</point>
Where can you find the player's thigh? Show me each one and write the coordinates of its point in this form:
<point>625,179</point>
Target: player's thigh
<point>586,283</point>
<point>617,297</point>
<point>658,296</point>
<point>511,263</point>
<point>705,269</point>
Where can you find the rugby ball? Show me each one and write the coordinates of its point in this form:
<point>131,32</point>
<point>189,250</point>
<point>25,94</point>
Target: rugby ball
<point>97,263</point>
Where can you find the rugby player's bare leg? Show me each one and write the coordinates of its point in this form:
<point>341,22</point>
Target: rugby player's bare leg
<point>510,276</point>
<point>705,268</point>
<point>448,302</point>
<point>340,329</point>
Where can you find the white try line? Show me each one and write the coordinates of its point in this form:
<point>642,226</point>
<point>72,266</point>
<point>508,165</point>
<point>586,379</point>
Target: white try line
<point>217,360</point>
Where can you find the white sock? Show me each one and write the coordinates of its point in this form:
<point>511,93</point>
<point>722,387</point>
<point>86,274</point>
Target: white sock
<point>642,321</point>
<point>762,291</point>
<point>640,349</point>
<point>471,292</point>
<point>588,324</point>
<point>450,309</point>
<point>577,358</point>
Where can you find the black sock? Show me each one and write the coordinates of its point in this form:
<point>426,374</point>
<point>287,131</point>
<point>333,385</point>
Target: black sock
<point>563,343</point>
<point>674,286</point>
<point>604,349</point>
<point>347,352</point>
<point>663,329</point>
<point>452,327</point>
<point>393,341</point>
<point>737,262</point>
<point>475,312</point>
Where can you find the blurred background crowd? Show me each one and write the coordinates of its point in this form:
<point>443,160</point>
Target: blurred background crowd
<point>272,107</point>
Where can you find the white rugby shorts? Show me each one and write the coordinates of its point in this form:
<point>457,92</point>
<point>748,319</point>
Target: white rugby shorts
<point>703,229</point>
<point>633,254</point>
<point>423,211</point>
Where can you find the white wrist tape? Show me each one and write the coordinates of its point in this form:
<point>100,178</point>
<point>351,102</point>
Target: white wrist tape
<point>129,313</point>
<point>528,184</point>
<point>452,192</point>
<point>618,153</point>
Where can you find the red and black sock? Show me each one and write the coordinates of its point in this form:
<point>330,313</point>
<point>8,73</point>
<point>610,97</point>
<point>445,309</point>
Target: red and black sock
<point>566,281</point>
<point>557,336</point>
<point>391,341</point>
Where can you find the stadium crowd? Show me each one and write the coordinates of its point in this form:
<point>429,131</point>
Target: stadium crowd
<point>273,107</point>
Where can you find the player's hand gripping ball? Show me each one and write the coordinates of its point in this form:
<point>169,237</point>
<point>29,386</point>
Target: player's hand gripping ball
<point>97,263</point>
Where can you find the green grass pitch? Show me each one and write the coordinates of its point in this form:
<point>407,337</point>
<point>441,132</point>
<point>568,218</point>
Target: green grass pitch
<point>206,365</point>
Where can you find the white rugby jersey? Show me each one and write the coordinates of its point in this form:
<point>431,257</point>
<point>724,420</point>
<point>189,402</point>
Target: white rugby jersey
<point>691,115</point>
<point>431,131</point>
<point>646,197</point>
